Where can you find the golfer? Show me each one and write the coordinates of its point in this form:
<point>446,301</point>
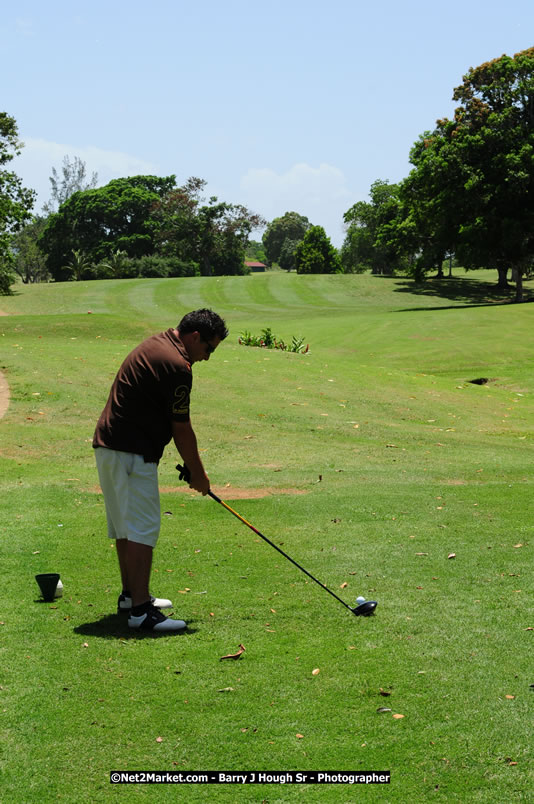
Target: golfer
<point>147,406</point>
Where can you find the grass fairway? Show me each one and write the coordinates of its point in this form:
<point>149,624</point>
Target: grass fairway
<point>381,461</point>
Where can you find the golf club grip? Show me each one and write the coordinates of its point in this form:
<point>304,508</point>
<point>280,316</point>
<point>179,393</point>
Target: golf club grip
<point>265,539</point>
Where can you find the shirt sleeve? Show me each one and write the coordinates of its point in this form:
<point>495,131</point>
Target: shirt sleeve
<point>181,398</point>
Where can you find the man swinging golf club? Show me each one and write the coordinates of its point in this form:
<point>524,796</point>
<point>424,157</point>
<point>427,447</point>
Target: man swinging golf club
<point>147,406</point>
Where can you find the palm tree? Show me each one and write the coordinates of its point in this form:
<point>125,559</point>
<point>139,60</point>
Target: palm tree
<point>79,265</point>
<point>116,263</point>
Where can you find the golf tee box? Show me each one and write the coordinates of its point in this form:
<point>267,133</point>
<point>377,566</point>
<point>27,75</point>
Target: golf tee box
<point>48,584</point>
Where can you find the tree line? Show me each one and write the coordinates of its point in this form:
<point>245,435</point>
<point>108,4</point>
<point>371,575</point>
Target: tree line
<point>469,195</point>
<point>471,188</point>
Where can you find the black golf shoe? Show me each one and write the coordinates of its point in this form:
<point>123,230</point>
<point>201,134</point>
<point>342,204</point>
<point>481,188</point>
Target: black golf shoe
<point>153,620</point>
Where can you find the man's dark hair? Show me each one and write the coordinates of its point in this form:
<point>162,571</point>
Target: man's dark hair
<point>205,322</point>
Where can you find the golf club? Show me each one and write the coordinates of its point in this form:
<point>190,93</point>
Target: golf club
<point>363,610</point>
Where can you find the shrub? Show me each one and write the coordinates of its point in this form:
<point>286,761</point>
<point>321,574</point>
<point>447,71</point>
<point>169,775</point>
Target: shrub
<point>269,341</point>
<point>155,266</point>
<point>149,266</point>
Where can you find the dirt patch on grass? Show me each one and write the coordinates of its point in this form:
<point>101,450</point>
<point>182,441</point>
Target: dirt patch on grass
<point>231,493</point>
<point>224,492</point>
<point>4,395</point>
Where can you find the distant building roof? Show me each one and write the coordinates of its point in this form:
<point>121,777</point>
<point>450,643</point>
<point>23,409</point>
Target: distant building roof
<point>253,264</point>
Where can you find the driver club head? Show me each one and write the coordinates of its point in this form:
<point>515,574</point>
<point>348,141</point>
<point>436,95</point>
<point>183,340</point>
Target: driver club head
<point>365,609</point>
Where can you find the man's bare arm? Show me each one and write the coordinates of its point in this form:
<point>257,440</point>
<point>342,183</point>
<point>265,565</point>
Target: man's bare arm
<point>186,444</point>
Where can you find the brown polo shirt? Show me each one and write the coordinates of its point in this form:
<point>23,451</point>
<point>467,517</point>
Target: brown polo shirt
<point>150,391</point>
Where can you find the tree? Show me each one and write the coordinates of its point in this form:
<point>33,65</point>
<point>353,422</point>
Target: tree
<point>286,259</point>
<point>291,226</point>
<point>73,180</point>
<point>116,266</point>
<point>256,251</point>
<point>432,202</point>
<point>29,262</point>
<point>374,236</point>
<point>315,254</point>
<point>474,175</point>
<point>16,201</point>
<point>98,222</point>
<point>79,267</point>
<point>214,235</point>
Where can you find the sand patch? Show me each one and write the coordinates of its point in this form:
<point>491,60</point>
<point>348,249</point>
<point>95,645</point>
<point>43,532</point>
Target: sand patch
<point>224,492</point>
<point>4,395</point>
<point>231,493</point>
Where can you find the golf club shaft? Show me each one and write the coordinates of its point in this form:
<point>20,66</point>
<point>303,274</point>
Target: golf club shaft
<point>265,539</point>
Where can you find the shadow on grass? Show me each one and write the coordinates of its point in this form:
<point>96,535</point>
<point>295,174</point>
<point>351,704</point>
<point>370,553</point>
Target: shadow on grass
<point>115,626</point>
<point>464,291</point>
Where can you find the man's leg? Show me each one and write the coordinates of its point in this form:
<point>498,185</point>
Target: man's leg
<point>135,562</point>
<point>139,564</point>
<point>121,546</point>
<point>142,522</point>
<point>131,494</point>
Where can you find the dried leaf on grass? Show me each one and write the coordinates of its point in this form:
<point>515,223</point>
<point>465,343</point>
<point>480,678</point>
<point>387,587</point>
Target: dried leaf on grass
<point>316,672</point>
<point>234,655</point>
<point>398,717</point>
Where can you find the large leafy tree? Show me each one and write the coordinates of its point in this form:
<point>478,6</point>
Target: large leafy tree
<point>281,236</point>
<point>214,234</point>
<point>16,201</point>
<point>432,203</point>
<point>474,175</point>
<point>315,254</point>
<point>256,251</point>
<point>286,260</point>
<point>98,222</point>
<point>29,262</point>
<point>374,238</point>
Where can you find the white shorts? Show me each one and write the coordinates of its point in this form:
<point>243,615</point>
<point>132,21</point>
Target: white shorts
<point>131,495</point>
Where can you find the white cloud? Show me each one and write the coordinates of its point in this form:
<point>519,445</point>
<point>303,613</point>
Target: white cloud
<point>38,157</point>
<point>321,194</point>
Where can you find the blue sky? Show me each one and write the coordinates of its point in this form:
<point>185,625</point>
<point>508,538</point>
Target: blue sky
<point>279,105</point>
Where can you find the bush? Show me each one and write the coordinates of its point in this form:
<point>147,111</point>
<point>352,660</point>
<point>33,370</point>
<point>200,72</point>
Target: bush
<point>269,341</point>
<point>154,266</point>
<point>149,266</point>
